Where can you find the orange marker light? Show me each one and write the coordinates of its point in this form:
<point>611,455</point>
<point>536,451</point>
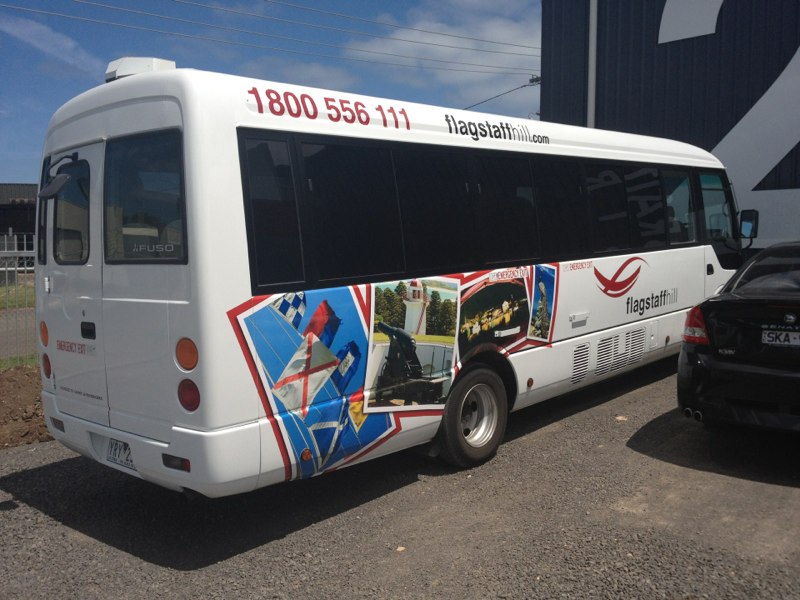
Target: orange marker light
<point>186,354</point>
<point>43,333</point>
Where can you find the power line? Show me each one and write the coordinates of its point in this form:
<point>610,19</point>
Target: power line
<point>387,24</point>
<point>290,39</point>
<point>534,80</point>
<point>341,30</point>
<point>245,44</point>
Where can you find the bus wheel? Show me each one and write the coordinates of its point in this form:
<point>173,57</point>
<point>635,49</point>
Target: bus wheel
<point>474,419</point>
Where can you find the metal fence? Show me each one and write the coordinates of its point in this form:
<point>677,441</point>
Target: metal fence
<point>17,298</point>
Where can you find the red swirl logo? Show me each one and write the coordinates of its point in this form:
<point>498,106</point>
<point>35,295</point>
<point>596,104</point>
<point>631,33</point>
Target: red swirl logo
<point>621,282</point>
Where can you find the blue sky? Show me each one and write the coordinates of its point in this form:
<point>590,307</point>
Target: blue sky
<point>491,46</point>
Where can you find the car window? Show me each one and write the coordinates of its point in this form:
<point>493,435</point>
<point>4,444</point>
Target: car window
<point>775,271</point>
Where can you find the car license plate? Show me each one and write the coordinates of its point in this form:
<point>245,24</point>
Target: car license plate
<point>780,338</point>
<point>119,453</point>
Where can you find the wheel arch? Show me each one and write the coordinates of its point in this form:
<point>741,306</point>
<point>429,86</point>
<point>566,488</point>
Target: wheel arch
<point>499,364</point>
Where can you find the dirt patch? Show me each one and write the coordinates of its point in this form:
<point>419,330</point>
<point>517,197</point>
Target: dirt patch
<point>21,416</point>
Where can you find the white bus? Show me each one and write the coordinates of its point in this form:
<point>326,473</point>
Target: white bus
<point>242,282</point>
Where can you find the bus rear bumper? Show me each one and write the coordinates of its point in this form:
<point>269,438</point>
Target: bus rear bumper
<point>220,463</point>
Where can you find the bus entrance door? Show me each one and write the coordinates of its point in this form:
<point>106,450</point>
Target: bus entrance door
<point>69,285</point>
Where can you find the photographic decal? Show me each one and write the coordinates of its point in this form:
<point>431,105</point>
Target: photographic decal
<point>411,352</point>
<point>544,302</point>
<point>494,310</point>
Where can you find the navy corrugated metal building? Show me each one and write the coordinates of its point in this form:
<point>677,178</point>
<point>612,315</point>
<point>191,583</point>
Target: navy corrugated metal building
<point>721,74</point>
<point>17,207</point>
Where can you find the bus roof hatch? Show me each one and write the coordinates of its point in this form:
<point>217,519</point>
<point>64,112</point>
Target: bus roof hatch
<point>132,65</point>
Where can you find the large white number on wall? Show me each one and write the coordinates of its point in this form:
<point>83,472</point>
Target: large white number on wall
<point>762,138</point>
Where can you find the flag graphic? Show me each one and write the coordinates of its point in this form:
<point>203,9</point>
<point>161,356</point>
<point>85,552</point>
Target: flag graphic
<point>349,356</point>
<point>324,323</point>
<point>309,353</point>
<point>293,307</point>
<point>305,374</point>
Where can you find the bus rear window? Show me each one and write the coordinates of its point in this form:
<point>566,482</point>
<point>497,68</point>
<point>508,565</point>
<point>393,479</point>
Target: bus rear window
<point>144,199</point>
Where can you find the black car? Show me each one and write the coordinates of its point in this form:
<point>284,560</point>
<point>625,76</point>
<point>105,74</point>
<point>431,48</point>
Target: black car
<point>740,358</point>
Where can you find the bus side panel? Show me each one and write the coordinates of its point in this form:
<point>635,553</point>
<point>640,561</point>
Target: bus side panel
<point>610,314</point>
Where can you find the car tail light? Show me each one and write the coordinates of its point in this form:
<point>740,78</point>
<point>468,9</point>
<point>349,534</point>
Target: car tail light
<point>186,354</point>
<point>47,369</point>
<point>189,395</point>
<point>43,333</point>
<point>694,330</point>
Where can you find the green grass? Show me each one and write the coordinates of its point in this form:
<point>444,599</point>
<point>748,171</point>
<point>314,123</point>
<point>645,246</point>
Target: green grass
<point>18,361</point>
<point>20,295</point>
<point>431,339</point>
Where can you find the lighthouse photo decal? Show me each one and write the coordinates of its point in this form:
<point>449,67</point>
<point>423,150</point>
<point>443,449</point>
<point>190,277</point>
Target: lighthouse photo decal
<point>411,352</point>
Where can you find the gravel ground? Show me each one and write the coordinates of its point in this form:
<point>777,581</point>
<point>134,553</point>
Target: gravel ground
<point>607,493</point>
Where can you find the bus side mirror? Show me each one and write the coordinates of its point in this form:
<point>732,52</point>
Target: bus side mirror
<point>54,186</point>
<point>748,227</point>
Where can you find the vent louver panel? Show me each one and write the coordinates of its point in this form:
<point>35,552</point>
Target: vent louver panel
<point>619,351</point>
<point>580,362</point>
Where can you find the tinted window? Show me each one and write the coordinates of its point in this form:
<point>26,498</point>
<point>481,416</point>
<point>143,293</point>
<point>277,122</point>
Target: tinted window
<point>680,213</point>
<point>505,199</point>
<point>41,225</point>
<point>143,199</point>
<point>353,206</point>
<point>645,207</point>
<point>438,220</point>
<point>610,225</point>
<point>273,227</point>
<point>71,214</point>
<point>718,217</point>
<point>560,207</point>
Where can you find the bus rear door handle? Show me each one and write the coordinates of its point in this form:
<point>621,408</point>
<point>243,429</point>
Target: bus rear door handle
<point>709,269</point>
<point>88,330</point>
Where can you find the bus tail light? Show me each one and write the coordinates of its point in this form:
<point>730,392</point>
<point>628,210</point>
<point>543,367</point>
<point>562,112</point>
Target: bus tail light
<point>47,368</point>
<point>44,334</point>
<point>189,395</point>
<point>694,330</point>
<point>186,354</point>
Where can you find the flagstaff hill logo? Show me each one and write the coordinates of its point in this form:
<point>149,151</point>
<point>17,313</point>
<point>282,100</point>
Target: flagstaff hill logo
<point>623,280</point>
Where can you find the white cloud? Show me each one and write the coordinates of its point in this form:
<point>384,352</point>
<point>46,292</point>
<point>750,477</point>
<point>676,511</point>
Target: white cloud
<point>53,44</point>
<point>509,21</point>
<point>300,73</point>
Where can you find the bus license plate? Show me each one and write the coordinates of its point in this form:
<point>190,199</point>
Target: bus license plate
<point>119,453</point>
<point>780,338</point>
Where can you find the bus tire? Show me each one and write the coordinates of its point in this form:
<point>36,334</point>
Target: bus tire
<point>474,419</point>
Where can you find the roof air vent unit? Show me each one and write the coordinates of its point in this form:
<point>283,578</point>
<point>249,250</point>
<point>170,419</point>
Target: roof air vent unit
<point>133,65</point>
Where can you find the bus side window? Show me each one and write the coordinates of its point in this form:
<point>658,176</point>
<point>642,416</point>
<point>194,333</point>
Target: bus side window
<point>439,224</point>
<point>506,210</point>
<point>355,211</point>
<point>271,210</point>
<point>560,207</point>
<point>680,212</point>
<point>717,210</point>
<point>607,201</point>
<point>646,207</point>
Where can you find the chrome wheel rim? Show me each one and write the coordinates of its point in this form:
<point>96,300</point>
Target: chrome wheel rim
<point>478,415</point>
